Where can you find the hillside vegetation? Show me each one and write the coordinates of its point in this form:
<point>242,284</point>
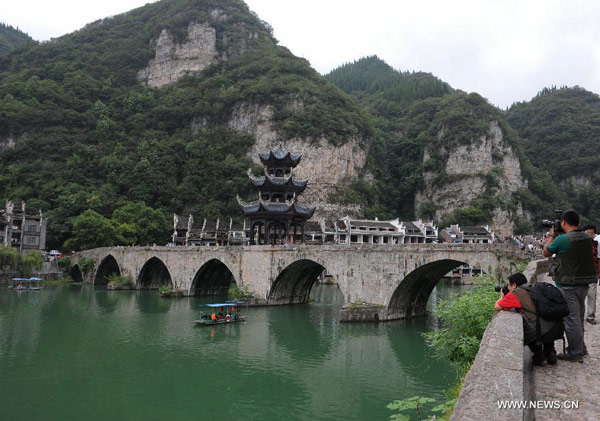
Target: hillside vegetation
<point>12,37</point>
<point>79,132</point>
<point>395,159</point>
<point>410,110</point>
<point>560,129</point>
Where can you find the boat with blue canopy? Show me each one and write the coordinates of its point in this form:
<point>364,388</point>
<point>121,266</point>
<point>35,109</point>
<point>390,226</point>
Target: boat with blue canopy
<point>221,313</point>
<point>26,284</point>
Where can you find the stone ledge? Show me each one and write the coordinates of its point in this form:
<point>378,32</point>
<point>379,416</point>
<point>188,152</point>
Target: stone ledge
<point>497,374</point>
<point>362,313</point>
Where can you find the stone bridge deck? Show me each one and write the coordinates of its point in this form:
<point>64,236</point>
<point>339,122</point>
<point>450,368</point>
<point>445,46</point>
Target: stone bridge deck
<point>396,279</point>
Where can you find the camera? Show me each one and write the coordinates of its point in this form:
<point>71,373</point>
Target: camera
<point>546,223</point>
<point>503,288</point>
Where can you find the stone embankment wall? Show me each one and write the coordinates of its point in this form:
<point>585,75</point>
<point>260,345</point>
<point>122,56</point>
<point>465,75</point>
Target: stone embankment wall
<point>499,373</point>
<point>502,370</point>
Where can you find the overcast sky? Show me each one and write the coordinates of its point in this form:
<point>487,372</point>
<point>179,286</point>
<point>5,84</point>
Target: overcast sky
<point>506,50</point>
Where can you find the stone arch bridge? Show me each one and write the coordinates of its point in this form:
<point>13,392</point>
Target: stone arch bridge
<point>394,281</point>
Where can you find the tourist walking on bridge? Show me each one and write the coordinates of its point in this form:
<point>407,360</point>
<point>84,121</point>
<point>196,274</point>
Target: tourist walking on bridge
<point>573,272</point>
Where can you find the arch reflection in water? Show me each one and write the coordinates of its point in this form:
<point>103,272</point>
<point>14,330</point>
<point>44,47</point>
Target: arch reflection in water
<point>152,303</point>
<point>108,301</point>
<point>108,266</point>
<point>213,278</point>
<point>293,284</point>
<point>154,275</point>
<point>308,332</point>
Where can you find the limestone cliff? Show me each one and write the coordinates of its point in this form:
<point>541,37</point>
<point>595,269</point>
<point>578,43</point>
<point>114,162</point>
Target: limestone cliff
<point>199,49</point>
<point>487,167</point>
<point>174,60</point>
<point>323,164</point>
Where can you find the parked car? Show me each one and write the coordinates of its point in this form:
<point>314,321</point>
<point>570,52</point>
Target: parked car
<point>54,253</point>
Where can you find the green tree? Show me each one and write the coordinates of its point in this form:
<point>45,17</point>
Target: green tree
<point>140,224</point>
<point>91,230</point>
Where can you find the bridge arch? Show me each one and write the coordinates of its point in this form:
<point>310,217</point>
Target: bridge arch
<point>294,283</point>
<point>76,274</point>
<point>410,297</point>
<point>213,278</point>
<point>154,274</point>
<point>108,266</point>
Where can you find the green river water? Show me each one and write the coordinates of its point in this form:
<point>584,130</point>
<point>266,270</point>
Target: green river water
<point>84,353</point>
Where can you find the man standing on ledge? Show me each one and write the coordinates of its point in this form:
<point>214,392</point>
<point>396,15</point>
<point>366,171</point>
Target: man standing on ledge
<point>574,272</point>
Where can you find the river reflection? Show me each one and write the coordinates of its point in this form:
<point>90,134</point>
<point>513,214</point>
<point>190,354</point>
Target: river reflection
<point>91,353</point>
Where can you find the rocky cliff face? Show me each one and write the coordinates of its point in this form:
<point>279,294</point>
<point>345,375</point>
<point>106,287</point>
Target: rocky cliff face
<point>173,60</point>
<point>323,164</point>
<point>466,176</point>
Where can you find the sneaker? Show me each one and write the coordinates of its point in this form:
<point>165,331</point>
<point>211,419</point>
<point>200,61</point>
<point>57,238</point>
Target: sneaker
<point>591,321</point>
<point>551,359</point>
<point>568,357</point>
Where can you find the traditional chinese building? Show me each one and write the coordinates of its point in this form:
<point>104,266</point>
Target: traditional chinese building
<point>20,230</point>
<point>276,217</point>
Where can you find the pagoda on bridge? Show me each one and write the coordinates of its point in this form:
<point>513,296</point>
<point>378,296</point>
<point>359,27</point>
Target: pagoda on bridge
<point>276,217</point>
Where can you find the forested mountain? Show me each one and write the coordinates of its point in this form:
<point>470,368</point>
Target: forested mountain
<point>396,161</point>
<point>560,129</point>
<point>11,37</point>
<point>443,153</point>
<point>160,108</point>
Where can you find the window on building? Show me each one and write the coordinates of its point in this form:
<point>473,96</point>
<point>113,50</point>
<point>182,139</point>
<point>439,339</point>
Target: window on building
<point>32,228</point>
<point>30,240</point>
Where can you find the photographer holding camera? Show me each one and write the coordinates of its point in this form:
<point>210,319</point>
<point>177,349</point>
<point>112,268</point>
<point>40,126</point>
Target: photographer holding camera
<point>573,273</point>
<point>515,296</point>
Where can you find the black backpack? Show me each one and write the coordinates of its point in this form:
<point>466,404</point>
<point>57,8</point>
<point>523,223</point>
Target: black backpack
<point>549,301</point>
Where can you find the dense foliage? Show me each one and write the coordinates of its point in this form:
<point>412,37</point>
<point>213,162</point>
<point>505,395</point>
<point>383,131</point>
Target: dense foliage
<point>463,323</point>
<point>78,132</point>
<point>560,129</point>
<point>12,37</point>
<point>414,113</point>
<point>11,259</point>
<point>395,160</point>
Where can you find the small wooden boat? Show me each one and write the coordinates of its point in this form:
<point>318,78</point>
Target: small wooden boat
<point>221,313</point>
<point>26,284</point>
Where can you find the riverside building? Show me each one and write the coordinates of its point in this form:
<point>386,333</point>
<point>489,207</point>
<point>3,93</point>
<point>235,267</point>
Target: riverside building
<point>21,230</point>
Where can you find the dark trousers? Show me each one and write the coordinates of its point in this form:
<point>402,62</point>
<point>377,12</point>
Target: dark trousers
<point>541,351</point>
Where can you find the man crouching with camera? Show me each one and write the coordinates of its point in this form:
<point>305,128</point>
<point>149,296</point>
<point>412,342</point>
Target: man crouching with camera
<point>517,298</point>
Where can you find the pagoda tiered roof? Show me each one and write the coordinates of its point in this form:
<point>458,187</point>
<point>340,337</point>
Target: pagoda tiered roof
<point>269,181</point>
<point>279,158</point>
<point>281,208</point>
